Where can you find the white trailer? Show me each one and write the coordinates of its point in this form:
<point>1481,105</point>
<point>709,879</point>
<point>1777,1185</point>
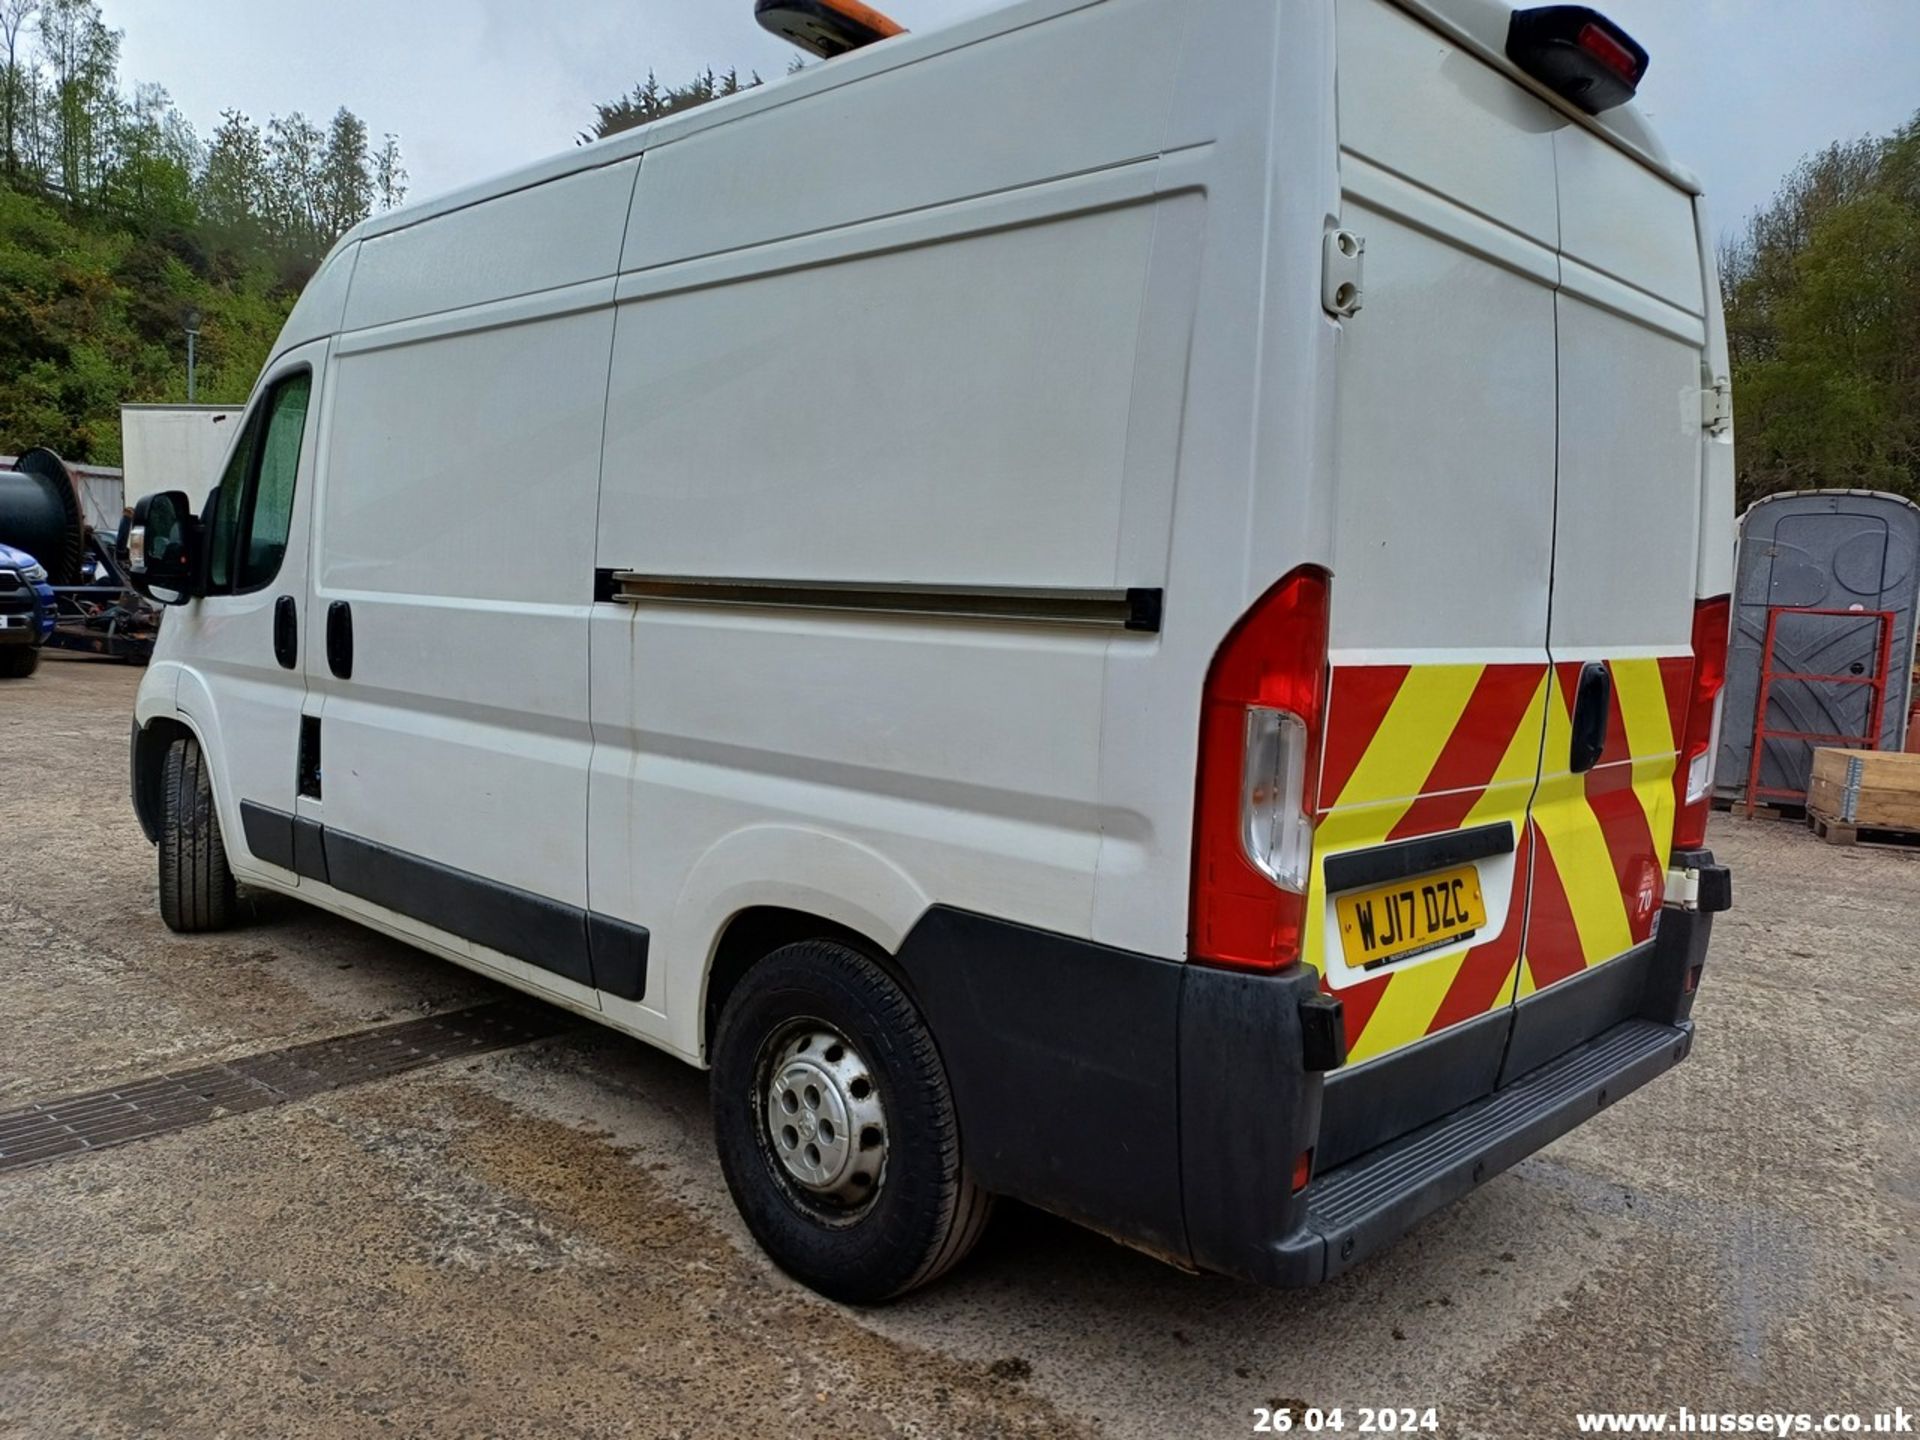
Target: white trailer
<point>175,447</point>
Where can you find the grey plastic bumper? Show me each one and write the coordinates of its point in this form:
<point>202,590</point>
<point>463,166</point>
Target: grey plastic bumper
<point>1360,1207</point>
<point>1638,1024</point>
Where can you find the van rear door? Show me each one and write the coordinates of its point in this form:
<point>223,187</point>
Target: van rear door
<point>1631,320</point>
<point>1445,449</point>
<point>1519,447</point>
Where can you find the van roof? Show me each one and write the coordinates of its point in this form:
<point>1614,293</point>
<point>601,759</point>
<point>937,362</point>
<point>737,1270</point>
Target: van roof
<point>1478,25</point>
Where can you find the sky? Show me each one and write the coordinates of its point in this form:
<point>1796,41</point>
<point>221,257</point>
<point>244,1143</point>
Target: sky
<point>1739,89</point>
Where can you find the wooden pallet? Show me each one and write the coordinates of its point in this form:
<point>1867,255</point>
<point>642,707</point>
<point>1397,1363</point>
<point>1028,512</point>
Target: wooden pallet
<point>1839,832</point>
<point>1867,797</point>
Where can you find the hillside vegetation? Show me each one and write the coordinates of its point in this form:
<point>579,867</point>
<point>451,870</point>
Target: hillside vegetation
<point>95,316</point>
<point>119,225</point>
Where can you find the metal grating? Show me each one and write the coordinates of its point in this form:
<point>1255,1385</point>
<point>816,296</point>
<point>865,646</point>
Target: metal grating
<point>162,1104</point>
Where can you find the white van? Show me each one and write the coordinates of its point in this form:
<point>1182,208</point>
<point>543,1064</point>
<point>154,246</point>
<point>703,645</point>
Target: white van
<point>1122,605</point>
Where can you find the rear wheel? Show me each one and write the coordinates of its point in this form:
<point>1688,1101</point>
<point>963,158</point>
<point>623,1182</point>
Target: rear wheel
<point>196,885</point>
<point>836,1128</point>
<point>18,661</point>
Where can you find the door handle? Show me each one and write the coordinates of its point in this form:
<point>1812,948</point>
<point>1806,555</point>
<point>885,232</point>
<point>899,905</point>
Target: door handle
<point>286,632</point>
<point>1592,706</point>
<point>340,639</point>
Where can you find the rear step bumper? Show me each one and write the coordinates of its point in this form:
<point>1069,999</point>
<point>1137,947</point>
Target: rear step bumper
<point>1169,1105</point>
<point>1366,1203</point>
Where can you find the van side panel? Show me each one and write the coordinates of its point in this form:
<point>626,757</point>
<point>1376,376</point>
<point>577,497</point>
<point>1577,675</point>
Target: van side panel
<point>1229,451</point>
<point>464,548</point>
<point>1084,87</point>
<point>317,313</point>
<point>454,529</point>
<point>897,416</point>
<point>540,239</point>
<point>892,418</point>
<point>945,396</point>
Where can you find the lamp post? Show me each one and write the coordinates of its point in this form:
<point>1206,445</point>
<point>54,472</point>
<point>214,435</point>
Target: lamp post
<point>193,338</point>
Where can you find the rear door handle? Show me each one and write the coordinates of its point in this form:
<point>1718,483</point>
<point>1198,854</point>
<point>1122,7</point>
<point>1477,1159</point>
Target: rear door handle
<point>1592,706</point>
<point>340,639</point>
<point>286,632</point>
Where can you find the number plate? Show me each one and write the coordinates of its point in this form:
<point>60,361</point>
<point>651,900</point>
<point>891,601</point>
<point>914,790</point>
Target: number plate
<point>1410,917</point>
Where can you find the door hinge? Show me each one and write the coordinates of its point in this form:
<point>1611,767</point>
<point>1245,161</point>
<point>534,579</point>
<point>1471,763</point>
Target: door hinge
<point>1341,272</point>
<point>1716,406</point>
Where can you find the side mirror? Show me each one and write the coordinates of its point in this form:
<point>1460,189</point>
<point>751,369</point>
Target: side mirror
<point>160,548</point>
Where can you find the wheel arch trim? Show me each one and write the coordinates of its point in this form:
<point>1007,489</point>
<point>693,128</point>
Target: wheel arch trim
<point>847,886</point>
<point>157,722</point>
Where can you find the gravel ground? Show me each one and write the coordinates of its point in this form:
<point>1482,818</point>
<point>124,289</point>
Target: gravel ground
<point>538,1242</point>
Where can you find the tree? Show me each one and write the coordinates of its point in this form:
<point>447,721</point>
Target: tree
<point>155,156</point>
<point>346,187</point>
<point>14,15</point>
<point>281,194</point>
<point>84,56</point>
<point>650,101</point>
<point>287,192</point>
<point>295,205</point>
<point>389,175</point>
<point>1823,324</point>
<point>233,181</point>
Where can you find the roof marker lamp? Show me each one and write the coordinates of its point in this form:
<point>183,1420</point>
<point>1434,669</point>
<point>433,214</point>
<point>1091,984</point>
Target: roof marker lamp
<point>825,27</point>
<point>1577,53</point>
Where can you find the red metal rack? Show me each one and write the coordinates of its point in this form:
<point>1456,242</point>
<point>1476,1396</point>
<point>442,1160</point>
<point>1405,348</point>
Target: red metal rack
<point>1877,680</point>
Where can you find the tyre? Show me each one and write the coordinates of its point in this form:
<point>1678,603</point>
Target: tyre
<point>18,661</point>
<point>836,1128</point>
<point>196,886</point>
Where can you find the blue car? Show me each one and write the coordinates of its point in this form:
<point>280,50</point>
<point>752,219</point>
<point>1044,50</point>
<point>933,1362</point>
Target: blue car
<point>26,612</point>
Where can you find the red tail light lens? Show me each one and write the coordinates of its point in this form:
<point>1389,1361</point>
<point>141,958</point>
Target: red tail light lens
<point>1610,53</point>
<point>1712,623</point>
<point>1260,731</point>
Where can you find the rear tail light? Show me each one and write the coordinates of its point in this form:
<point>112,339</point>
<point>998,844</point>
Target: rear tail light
<point>1260,732</point>
<point>1706,698</point>
<point>1578,54</point>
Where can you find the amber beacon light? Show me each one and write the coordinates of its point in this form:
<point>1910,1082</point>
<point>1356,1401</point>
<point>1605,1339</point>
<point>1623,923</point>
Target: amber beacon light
<point>826,27</point>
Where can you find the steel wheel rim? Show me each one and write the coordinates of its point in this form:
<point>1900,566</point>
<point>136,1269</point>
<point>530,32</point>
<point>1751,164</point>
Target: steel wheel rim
<point>823,1121</point>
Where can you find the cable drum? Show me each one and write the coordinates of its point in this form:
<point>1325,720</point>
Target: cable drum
<point>40,514</point>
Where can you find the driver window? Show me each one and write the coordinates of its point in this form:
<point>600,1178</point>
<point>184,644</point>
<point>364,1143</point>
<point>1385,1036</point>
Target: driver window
<point>250,525</point>
<point>224,522</point>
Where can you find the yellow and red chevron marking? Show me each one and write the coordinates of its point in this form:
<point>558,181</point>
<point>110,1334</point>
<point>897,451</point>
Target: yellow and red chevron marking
<point>1422,750</point>
<point>1603,838</point>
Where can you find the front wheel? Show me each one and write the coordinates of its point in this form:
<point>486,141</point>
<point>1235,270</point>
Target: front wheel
<point>196,885</point>
<point>836,1128</point>
<point>17,662</point>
